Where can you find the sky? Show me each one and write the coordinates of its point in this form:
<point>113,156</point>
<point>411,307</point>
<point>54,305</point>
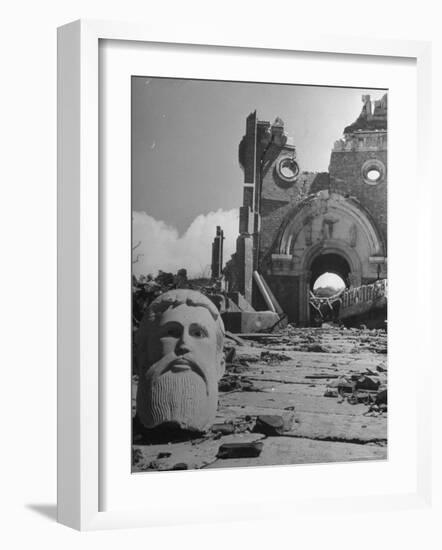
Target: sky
<point>186,178</point>
<point>329,279</point>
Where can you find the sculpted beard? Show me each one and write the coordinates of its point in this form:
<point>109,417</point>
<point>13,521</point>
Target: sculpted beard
<point>176,390</point>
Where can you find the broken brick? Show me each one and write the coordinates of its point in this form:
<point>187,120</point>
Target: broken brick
<point>240,450</point>
<point>343,385</point>
<point>224,429</point>
<point>180,466</point>
<point>317,348</point>
<point>164,455</point>
<point>360,397</point>
<point>272,357</point>
<point>269,424</point>
<point>367,383</point>
<point>331,392</point>
<point>381,397</point>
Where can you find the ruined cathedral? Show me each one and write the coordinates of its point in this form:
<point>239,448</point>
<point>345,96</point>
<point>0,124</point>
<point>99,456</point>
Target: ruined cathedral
<point>296,225</point>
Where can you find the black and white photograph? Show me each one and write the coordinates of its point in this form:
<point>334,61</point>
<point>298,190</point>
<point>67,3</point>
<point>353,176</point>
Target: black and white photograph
<point>259,274</point>
<point>223,221</point>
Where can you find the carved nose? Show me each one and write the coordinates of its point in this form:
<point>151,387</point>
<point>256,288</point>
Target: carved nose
<point>183,344</point>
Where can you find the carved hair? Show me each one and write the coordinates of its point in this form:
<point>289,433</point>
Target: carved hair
<point>173,299</point>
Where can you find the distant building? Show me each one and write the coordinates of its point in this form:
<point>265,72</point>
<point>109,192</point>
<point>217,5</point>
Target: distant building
<point>217,253</point>
<point>294,225</point>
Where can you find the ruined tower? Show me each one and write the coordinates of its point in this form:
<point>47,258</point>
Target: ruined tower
<point>217,253</point>
<point>296,225</point>
<point>358,162</point>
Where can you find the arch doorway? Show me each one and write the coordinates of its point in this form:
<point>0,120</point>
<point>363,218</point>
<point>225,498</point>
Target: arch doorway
<point>329,273</point>
<point>329,263</point>
<point>325,233</point>
<point>328,284</point>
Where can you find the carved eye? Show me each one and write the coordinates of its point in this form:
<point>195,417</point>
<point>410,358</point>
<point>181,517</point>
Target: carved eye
<point>197,331</point>
<point>171,331</point>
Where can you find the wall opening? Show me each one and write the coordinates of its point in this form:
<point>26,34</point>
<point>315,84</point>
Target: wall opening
<point>329,274</point>
<point>328,284</point>
<point>373,175</point>
<point>332,264</point>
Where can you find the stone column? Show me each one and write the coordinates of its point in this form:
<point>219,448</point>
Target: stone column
<point>244,252</point>
<point>217,253</point>
<point>303,297</point>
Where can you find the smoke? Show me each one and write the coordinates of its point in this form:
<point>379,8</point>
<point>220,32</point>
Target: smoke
<point>161,246</point>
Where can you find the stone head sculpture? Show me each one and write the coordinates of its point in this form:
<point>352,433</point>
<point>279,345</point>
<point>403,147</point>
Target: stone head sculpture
<point>179,355</point>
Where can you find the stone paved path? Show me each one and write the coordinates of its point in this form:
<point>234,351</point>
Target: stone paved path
<point>286,375</point>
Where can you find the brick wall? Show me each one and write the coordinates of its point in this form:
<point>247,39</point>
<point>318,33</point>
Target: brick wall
<point>346,178</point>
<point>286,290</point>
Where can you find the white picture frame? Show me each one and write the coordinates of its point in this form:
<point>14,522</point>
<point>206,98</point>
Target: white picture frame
<point>79,279</point>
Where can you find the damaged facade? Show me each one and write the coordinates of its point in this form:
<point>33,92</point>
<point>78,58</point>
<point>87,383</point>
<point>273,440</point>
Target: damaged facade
<point>296,225</point>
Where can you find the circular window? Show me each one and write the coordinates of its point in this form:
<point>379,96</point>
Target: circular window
<point>373,171</point>
<point>287,169</point>
<point>373,175</point>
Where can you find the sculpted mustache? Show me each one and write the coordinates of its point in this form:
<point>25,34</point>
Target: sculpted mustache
<point>168,361</point>
<point>188,360</point>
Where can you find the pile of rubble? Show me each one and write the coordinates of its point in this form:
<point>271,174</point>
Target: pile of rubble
<point>367,388</point>
<point>296,396</point>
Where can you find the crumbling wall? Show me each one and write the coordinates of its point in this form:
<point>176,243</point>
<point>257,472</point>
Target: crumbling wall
<point>349,218</point>
<point>346,178</point>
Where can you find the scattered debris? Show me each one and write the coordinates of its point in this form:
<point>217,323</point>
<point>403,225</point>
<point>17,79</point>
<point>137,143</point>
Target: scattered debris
<point>320,376</point>
<point>380,406</point>
<point>381,398</point>
<point>240,450</point>
<point>269,424</point>
<point>137,455</point>
<point>360,397</point>
<point>246,358</point>
<point>280,369</point>
<point>231,382</point>
<point>272,357</point>
<point>317,348</point>
<point>367,383</point>
<point>339,387</point>
<point>235,338</point>
<point>164,455</point>
<point>180,466</point>
<point>229,354</point>
<point>331,392</point>
<point>153,465</point>
<point>224,429</point>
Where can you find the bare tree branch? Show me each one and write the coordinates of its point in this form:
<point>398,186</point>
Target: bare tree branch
<point>138,256</point>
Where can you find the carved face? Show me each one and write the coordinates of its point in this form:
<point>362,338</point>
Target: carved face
<point>179,381</point>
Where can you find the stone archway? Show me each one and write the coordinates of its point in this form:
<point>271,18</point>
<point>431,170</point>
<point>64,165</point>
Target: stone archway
<point>329,263</point>
<point>326,216</point>
<point>324,225</point>
<point>333,255</point>
<point>334,247</point>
